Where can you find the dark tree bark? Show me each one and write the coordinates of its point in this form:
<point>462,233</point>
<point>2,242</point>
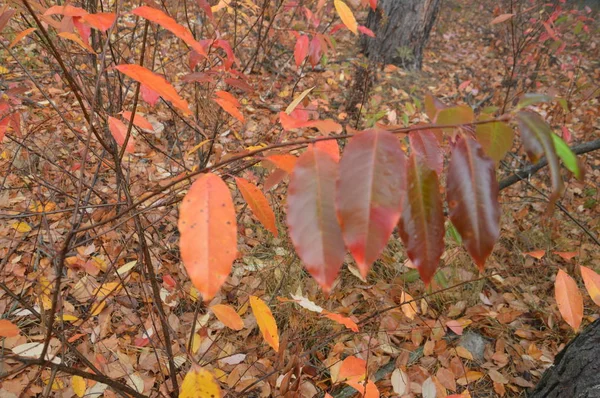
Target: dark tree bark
<point>576,369</point>
<point>402,28</point>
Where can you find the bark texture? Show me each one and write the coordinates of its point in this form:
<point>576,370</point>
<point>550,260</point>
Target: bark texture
<point>576,369</point>
<point>402,28</point>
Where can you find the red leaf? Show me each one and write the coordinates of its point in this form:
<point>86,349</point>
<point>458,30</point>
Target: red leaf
<point>138,120</point>
<point>422,224</point>
<point>315,51</point>
<point>208,242</point>
<point>119,131</point>
<point>149,95</point>
<point>205,6</point>
<point>228,97</point>
<point>568,299</point>
<point>472,194</point>
<point>373,4</point>
<point>156,83</point>
<point>425,145</point>
<point>301,49</point>
<point>101,21</point>
<point>258,204</point>
<point>159,17</point>
<point>366,31</point>
<point>371,190</point>
<point>3,127</point>
<point>311,218</point>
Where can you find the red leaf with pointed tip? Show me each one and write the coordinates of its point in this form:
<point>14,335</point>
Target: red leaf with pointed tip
<point>315,51</point>
<point>366,31</point>
<point>301,49</point>
<point>101,21</point>
<point>159,17</point>
<point>370,194</point>
<point>119,131</point>
<point>425,145</point>
<point>472,194</point>
<point>156,83</point>
<point>422,224</point>
<point>313,226</point>
<point>258,204</point>
<point>208,242</point>
<point>149,95</point>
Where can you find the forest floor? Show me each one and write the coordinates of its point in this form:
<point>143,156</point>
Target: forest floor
<point>485,334</point>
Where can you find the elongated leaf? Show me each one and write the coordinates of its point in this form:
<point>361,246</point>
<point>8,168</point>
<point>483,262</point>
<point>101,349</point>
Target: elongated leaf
<point>342,320</point>
<point>20,37</point>
<point>101,21</point>
<point>301,49</point>
<point>346,16</point>
<point>421,226</point>
<point>230,108</point>
<point>370,193</point>
<point>426,146</point>
<point>568,157</point>
<point>592,283</point>
<point>67,11</point>
<point>472,194</point>
<point>258,204</point>
<point>532,98</point>
<point>159,17</point>
<point>537,140</point>
<point>298,100</point>
<point>266,322</point>
<point>501,18</point>
<point>199,383</point>
<point>156,83</point>
<point>311,218</point>
<point>568,299</point>
<point>208,230</point>
<point>228,316</point>
<point>76,39</point>
<point>495,138</point>
<point>433,106</point>
<point>119,132</point>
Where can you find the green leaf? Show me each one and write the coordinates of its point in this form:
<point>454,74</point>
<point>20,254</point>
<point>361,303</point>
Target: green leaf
<point>472,194</point>
<point>461,114</point>
<point>537,140</point>
<point>371,190</point>
<point>422,224</point>
<point>532,98</point>
<point>453,233</point>
<point>495,138</point>
<point>567,156</point>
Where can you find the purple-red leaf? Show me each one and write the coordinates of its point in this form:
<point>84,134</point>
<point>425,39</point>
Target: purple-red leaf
<point>425,145</point>
<point>422,224</point>
<point>370,193</point>
<point>311,218</point>
<point>472,194</point>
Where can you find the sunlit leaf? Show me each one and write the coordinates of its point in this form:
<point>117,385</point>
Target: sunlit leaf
<point>421,226</point>
<point>496,138</point>
<point>119,132</point>
<point>258,203</point>
<point>156,83</point>
<point>592,283</point>
<point>8,329</point>
<point>370,193</point>
<point>568,157</point>
<point>208,243</point>
<point>199,383</point>
<point>426,146</point>
<point>568,299</point>
<point>227,315</point>
<point>433,106</point>
<point>472,194</point>
<point>159,17</point>
<point>266,322</point>
<point>367,390</point>
<point>410,307</point>
<point>346,16</point>
<point>400,382</point>
<point>313,226</point>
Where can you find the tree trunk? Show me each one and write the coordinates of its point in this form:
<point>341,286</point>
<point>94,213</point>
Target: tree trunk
<point>402,28</point>
<point>576,369</point>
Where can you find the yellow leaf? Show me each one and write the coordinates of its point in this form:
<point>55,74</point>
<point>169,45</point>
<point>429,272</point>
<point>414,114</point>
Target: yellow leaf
<point>410,308</point>
<point>67,318</point>
<point>97,308</point>
<point>45,290</point>
<point>266,322</point>
<point>297,100</point>
<point>126,268</point>
<point>78,384</point>
<point>464,353</point>
<point>21,226</point>
<point>196,340</point>
<point>100,263</point>
<point>470,377</point>
<point>107,289</point>
<point>199,383</point>
<point>346,16</point>
<point>195,148</point>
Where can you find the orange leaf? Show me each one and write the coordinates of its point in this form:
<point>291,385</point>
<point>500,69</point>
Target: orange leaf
<point>330,146</point>
<point>74,38</point>
<point>119,131</point>
<point>569,300</point>
<point>592,283</point>
<point>353,368</point>
<point>159,17</point>
<point>536,254</point>
<point>346,16</point>
<point>208,242</point>
<point>368,390</point>
<point>101,21</point>
<point>342,320</point>
<point>228,316</point>
<point>138,120</point>
<point>567,256</point>
<point>266,322</point>
<point>156,83</point>
<point>228,97</point>
<point>20,37</point>
<point>8,329</point>
<point>285,162</point>
<point>230,108</point>
<point>67,11</point>
<point>258,204</point>
<point>501,18</point>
